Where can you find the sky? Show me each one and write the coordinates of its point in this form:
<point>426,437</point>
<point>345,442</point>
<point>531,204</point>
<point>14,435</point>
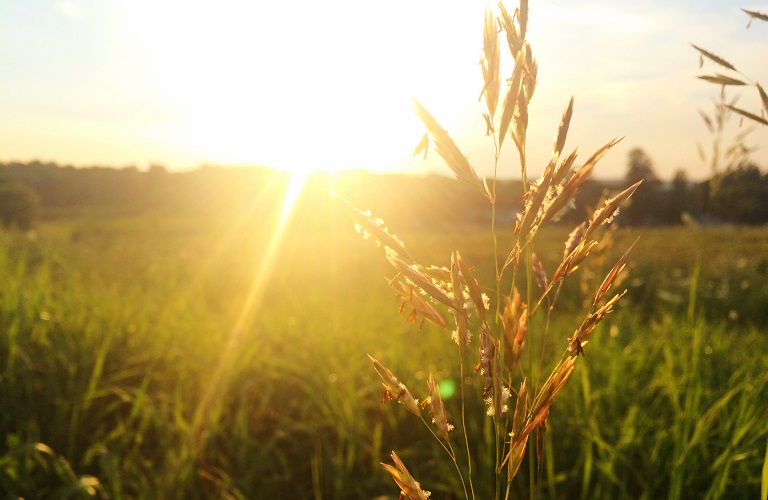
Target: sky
<point>328,84</point>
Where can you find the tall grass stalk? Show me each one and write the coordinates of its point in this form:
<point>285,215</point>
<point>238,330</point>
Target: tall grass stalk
<point>517,396</point>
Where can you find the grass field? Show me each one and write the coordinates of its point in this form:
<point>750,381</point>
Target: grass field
<point>202,356</point>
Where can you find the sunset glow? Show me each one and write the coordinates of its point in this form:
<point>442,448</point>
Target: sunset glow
<point>306,86</point>
<point>313,88</point>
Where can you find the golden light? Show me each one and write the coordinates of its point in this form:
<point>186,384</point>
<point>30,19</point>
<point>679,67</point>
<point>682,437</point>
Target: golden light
<point>303,86</point>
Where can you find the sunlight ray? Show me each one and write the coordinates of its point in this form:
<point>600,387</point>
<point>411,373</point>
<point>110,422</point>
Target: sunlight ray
<point>221,376</point>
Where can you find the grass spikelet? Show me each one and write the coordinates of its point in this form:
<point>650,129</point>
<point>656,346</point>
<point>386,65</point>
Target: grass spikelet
<point>367,226</point>
<point>763,97</point>
<point>490,64</point>
<point>394,389</point>
<point>512,95</point>
<point>612,275</point>
<point>507,22</point>
<point>606,212</point>
<point>414,275</point>
<point>437,409</point>
<point>712,57</point>
<point>515,322</point>
<point>538,272</point>
<point>565,166</point>
<point>747,114</point>
<point>572,186</point>
<point>530,219</point>
<point>490,370</point>
<point>562,132</point>
<point>546,396</point>
<point>753,14</point>
<point>418,305</point>
<point>520,117</point>
<point>447,149</point>
<point>580,337</point>
<point>405,481</point>
<point>522,16</point>
<point>519,440</point>
<point>479,299</point>
<point>721,79</point>
<point>459,308</point>
<point>571,262</point>
<point>574,239</point>
<point>422,147</point>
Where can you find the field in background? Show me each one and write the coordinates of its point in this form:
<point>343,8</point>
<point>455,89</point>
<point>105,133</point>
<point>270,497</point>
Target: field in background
<point>199,355</point>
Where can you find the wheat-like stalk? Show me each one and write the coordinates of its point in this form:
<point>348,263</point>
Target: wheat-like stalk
<point>501,337</point>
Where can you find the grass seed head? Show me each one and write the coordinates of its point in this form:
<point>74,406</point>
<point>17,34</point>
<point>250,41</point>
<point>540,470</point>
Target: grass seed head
<point>538,272</point>
<point>514,319</point>
<point>417,304</point>
<point>490,64</point>
<point>394,389</point>
<point>447,149</point>
<point>437,409</point>
<point>415,275</point>
<point>405,481</point>
<point>607,211</point>
<point>367,225</point>
<point>479,299</point>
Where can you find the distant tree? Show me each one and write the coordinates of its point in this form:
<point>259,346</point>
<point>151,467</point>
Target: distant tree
<point>725,158</point>
<point>742,197</point>
<point>644,207</point>
<point>19,206</point>
<point>678,198</point>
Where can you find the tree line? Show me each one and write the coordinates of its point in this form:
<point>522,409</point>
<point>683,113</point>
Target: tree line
<point>31,190</point>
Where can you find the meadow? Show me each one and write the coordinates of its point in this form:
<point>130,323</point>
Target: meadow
<point>223,355</point>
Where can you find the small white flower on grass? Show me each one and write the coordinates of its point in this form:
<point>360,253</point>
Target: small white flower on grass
<point>486,302</point>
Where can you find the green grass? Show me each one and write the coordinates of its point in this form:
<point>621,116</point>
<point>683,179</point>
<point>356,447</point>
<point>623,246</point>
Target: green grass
<point>116,353</point>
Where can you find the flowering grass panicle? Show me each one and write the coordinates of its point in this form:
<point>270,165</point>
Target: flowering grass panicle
<point>437,292</point>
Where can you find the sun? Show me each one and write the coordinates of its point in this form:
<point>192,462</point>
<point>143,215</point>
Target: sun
<point>301,86</point>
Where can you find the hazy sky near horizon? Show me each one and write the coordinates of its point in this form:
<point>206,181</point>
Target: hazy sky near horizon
<point>327,84</point>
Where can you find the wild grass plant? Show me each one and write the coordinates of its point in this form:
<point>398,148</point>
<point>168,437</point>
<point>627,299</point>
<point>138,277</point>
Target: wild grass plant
<point>495,324</point>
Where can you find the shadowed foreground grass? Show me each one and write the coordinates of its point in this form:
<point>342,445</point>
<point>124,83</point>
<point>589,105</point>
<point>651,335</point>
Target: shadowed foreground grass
<point>130,349</point>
